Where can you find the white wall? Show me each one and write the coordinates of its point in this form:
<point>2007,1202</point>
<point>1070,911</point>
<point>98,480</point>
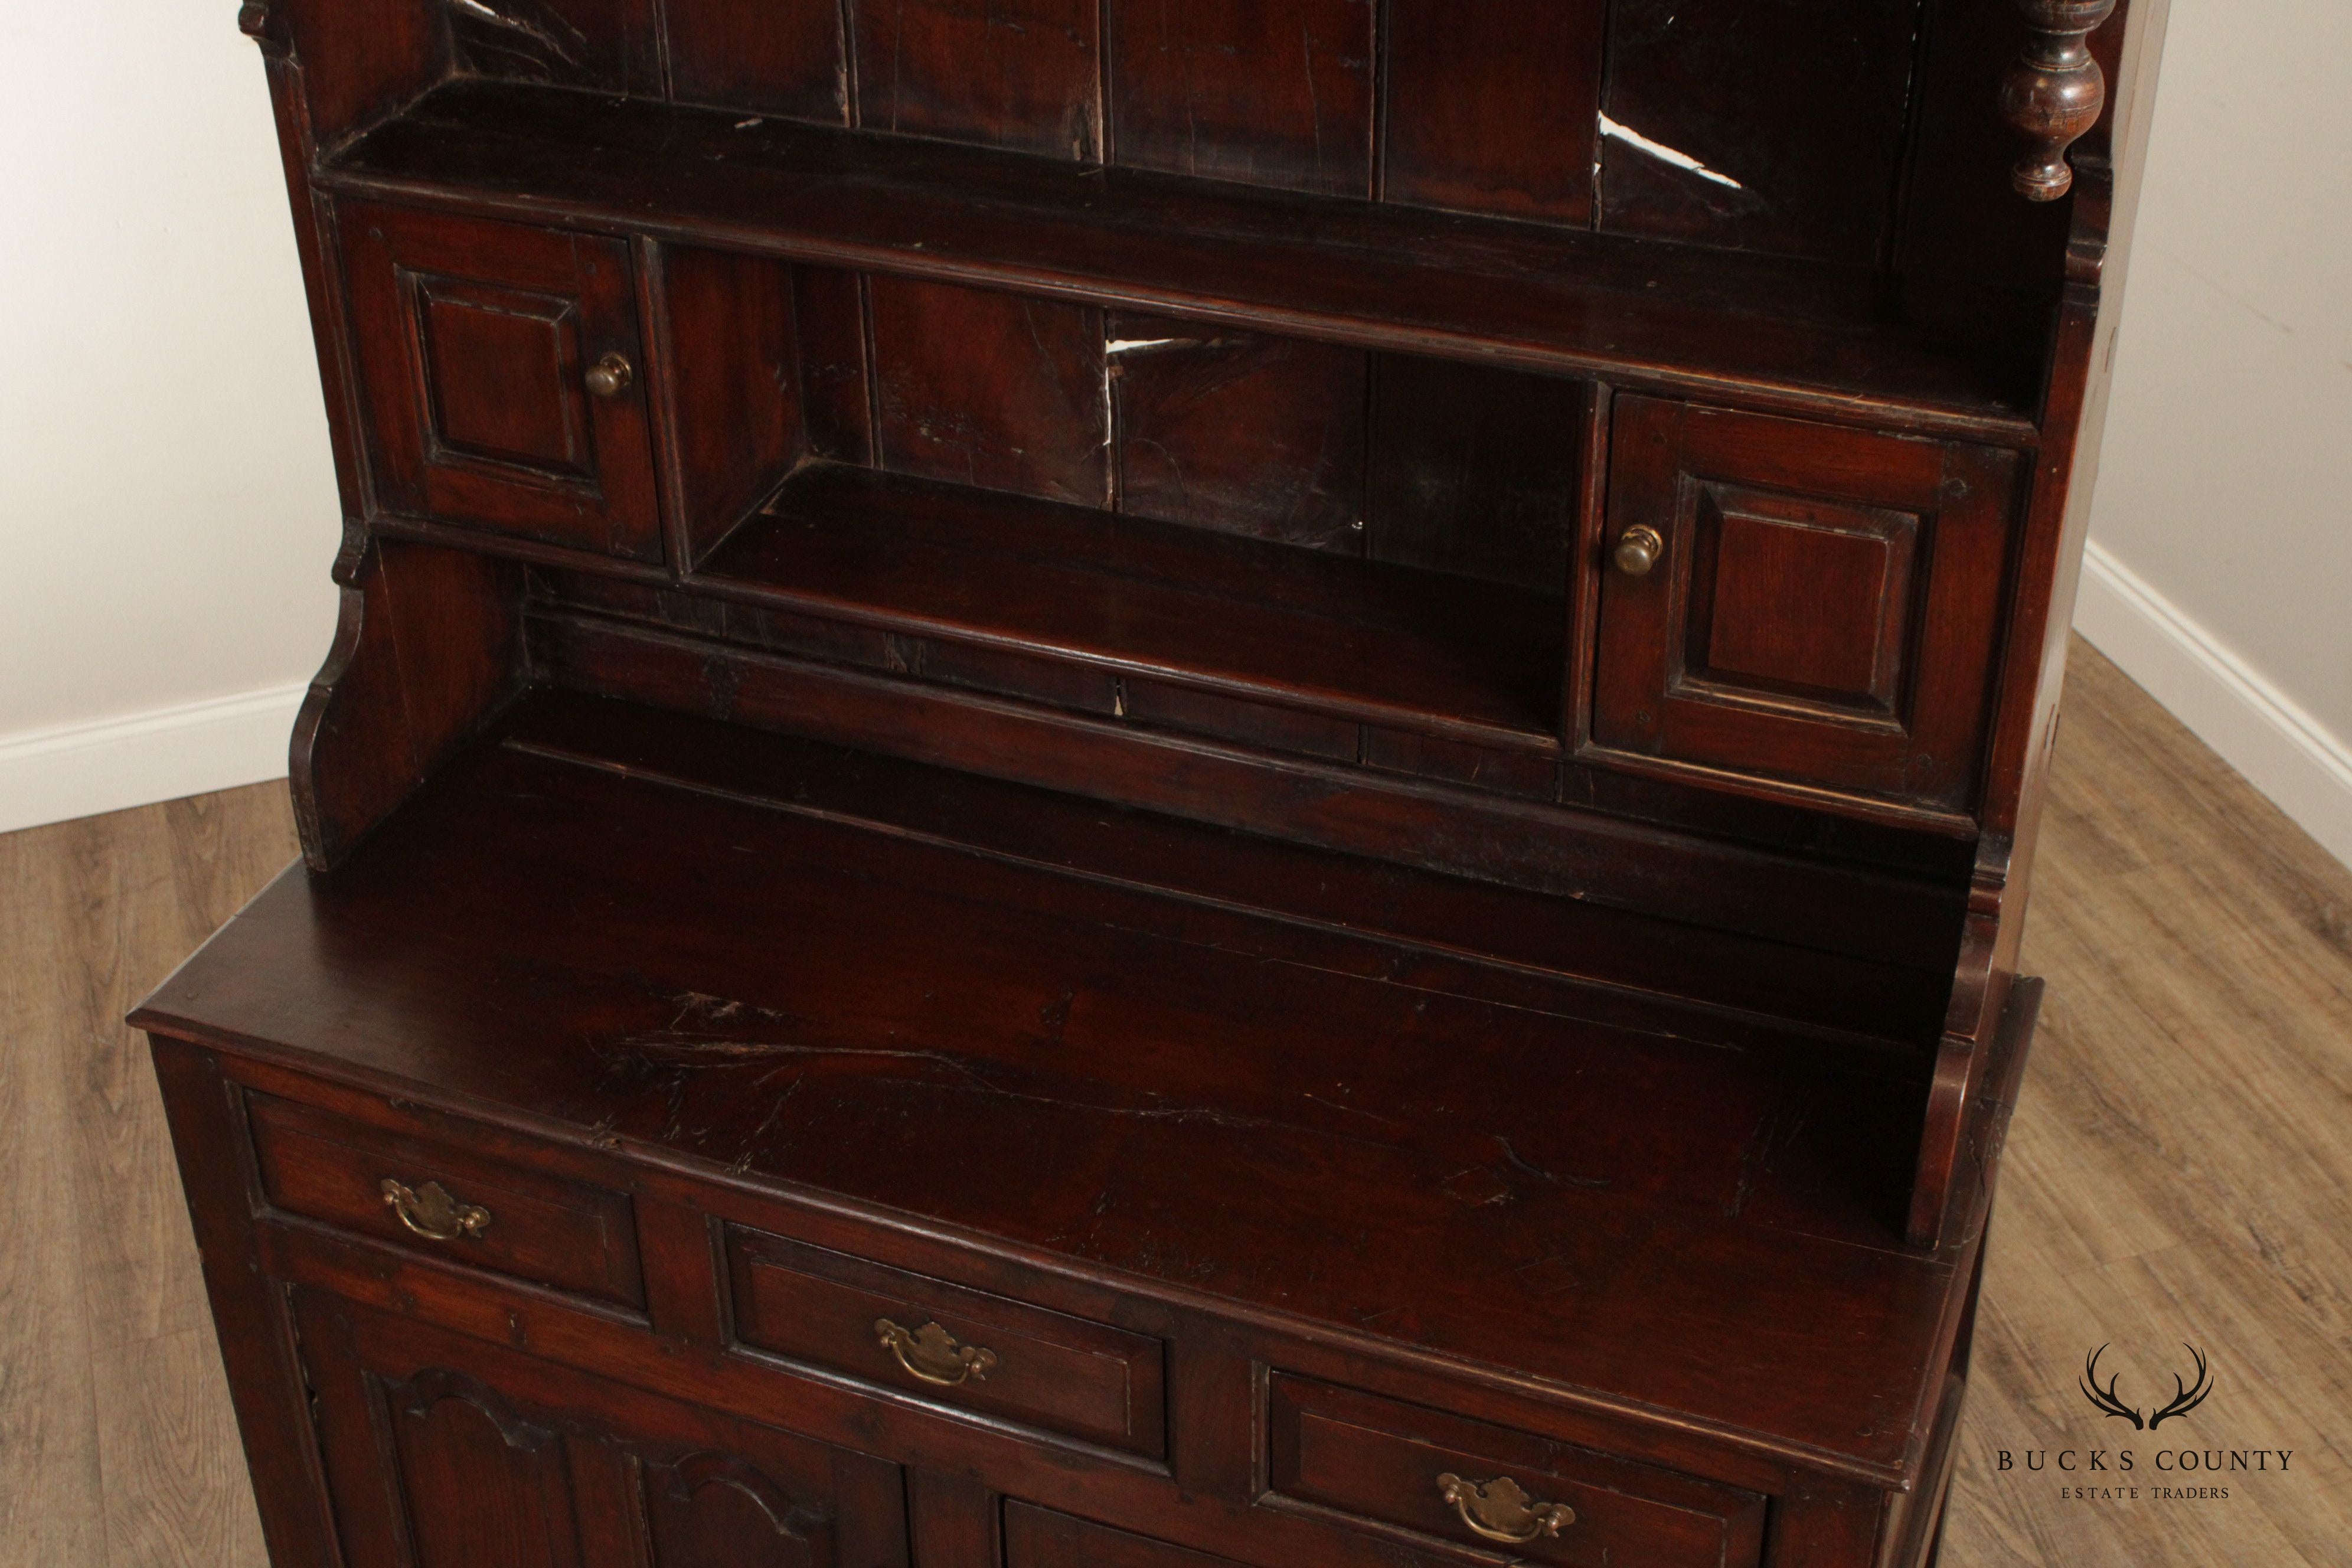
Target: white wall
<point>167,506</point>
<point>2221,559</point>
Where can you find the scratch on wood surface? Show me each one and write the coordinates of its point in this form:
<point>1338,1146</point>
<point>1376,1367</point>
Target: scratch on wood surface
<point>1663,153</point>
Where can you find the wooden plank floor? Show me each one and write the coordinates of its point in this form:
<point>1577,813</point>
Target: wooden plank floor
<point>2178,1172</point>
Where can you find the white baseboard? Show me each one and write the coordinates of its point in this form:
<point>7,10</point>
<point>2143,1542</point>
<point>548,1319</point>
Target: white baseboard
<point>80,770</point>
<point>2279,747</point>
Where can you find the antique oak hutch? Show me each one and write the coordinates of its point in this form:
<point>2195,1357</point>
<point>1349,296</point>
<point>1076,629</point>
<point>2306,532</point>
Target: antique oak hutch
<point>1156,783</point>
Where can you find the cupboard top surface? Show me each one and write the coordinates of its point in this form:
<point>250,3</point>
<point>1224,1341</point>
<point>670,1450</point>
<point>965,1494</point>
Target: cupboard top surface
<point>1121,1082</point>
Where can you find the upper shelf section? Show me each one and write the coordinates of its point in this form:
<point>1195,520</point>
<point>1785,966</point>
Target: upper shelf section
<point>1767,332</point>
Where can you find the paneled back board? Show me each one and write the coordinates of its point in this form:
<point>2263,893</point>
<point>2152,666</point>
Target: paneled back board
<point>1163,783</point>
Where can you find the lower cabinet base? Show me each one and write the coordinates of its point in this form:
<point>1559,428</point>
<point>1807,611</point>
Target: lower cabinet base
<point>698,1393</point>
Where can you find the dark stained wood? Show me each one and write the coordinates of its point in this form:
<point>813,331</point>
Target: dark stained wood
<point>1046,1369</point>
<point>1645,1175</point>
<point>1473,470</point>
<point>1239,432</point>
<point>614,45</point>
<point>1787,333</point>
<point>1895,548</point>
<point>1196,713</point>
<point>1303,628</point>
<point>990,390</point>
<point>1427,756</point>
<point>1316,725</point>
<point>1039,1538</point>
<point>1010,73</point>
<point>499,1457</point>
<point>789,58</point>
<point>1962,218</point>
<point>1382,1459</point>
<point>1797,108</point>
<point>476,343</point>
<point>1268,92</point>
<point>251,1319</point>
<point>837,390</point>
<point>1493,107</point>
<point>728,378</point>
<point>1849,907</point>
<point>2054,92</point>
<point>427,647</point>
<point>565,1234</point>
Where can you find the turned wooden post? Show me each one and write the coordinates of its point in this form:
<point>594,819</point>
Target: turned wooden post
<point>2055,91</point>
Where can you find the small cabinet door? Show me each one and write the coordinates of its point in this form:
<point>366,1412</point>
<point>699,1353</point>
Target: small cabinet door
<point>502,378</point>
<point>1802,610</point>
<point>443,1452</point>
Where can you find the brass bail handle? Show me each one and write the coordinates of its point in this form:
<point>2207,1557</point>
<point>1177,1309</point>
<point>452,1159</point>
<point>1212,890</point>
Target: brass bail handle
<point>931,1354</point>
<point>431,1213</point>
<point>1500,1510</point>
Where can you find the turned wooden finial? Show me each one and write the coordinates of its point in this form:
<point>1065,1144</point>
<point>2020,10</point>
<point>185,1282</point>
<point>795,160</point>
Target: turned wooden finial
<point>257,21</point>
<point>2055,91</point>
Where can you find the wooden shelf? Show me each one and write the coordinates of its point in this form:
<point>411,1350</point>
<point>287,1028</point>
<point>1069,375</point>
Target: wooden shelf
<point>795,968</point>
<point>1767,332</point>
<point>1311,629</point>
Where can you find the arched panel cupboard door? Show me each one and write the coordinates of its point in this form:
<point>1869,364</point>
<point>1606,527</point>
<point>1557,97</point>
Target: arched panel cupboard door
<point>443,1452</point>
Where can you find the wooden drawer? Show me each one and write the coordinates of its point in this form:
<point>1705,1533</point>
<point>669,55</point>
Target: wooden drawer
<point>1039,1538</point>
<point>946,1343</point>
<point>488,357</point>
<point>1395,1463</point>
<point>1820,614</point>
<point>448,1200</point>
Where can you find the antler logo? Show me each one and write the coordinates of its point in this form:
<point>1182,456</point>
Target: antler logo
<point>2186,1397</point>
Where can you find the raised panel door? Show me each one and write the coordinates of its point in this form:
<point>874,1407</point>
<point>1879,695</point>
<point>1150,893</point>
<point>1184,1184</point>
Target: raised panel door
<point>441,1452</point>
<point>1801,610</point>
<point>503,378</point>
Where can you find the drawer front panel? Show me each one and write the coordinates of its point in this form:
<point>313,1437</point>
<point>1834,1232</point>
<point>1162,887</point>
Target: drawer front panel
<point>1806,606</point>
<point>1441,1476</point>
<point>489,356</point>
<point>1039,1538</point>
<point>961,1347</point>
<point>449,1202</point>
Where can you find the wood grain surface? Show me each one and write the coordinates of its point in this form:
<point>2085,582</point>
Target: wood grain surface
<point>2176,1172</point>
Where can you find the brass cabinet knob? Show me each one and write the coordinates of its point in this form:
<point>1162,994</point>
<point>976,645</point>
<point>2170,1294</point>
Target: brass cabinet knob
<point>610,376</point>
<point>1638,550</point>
<point>431,1213</point>
<point>931,1354</point>
<point>1499,1509</point>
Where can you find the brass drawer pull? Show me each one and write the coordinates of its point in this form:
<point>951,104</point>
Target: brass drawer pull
<point>931,1354</point>
<point>1499,1511</point>
<point>431,1213</point>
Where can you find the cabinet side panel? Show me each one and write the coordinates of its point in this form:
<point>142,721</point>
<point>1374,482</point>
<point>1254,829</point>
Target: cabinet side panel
<point>250,1313</point>
<point>428,647</point>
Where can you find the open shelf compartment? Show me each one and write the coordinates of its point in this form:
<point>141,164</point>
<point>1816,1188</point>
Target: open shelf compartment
<point>1360,639</point>
<point>1775,333</point>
